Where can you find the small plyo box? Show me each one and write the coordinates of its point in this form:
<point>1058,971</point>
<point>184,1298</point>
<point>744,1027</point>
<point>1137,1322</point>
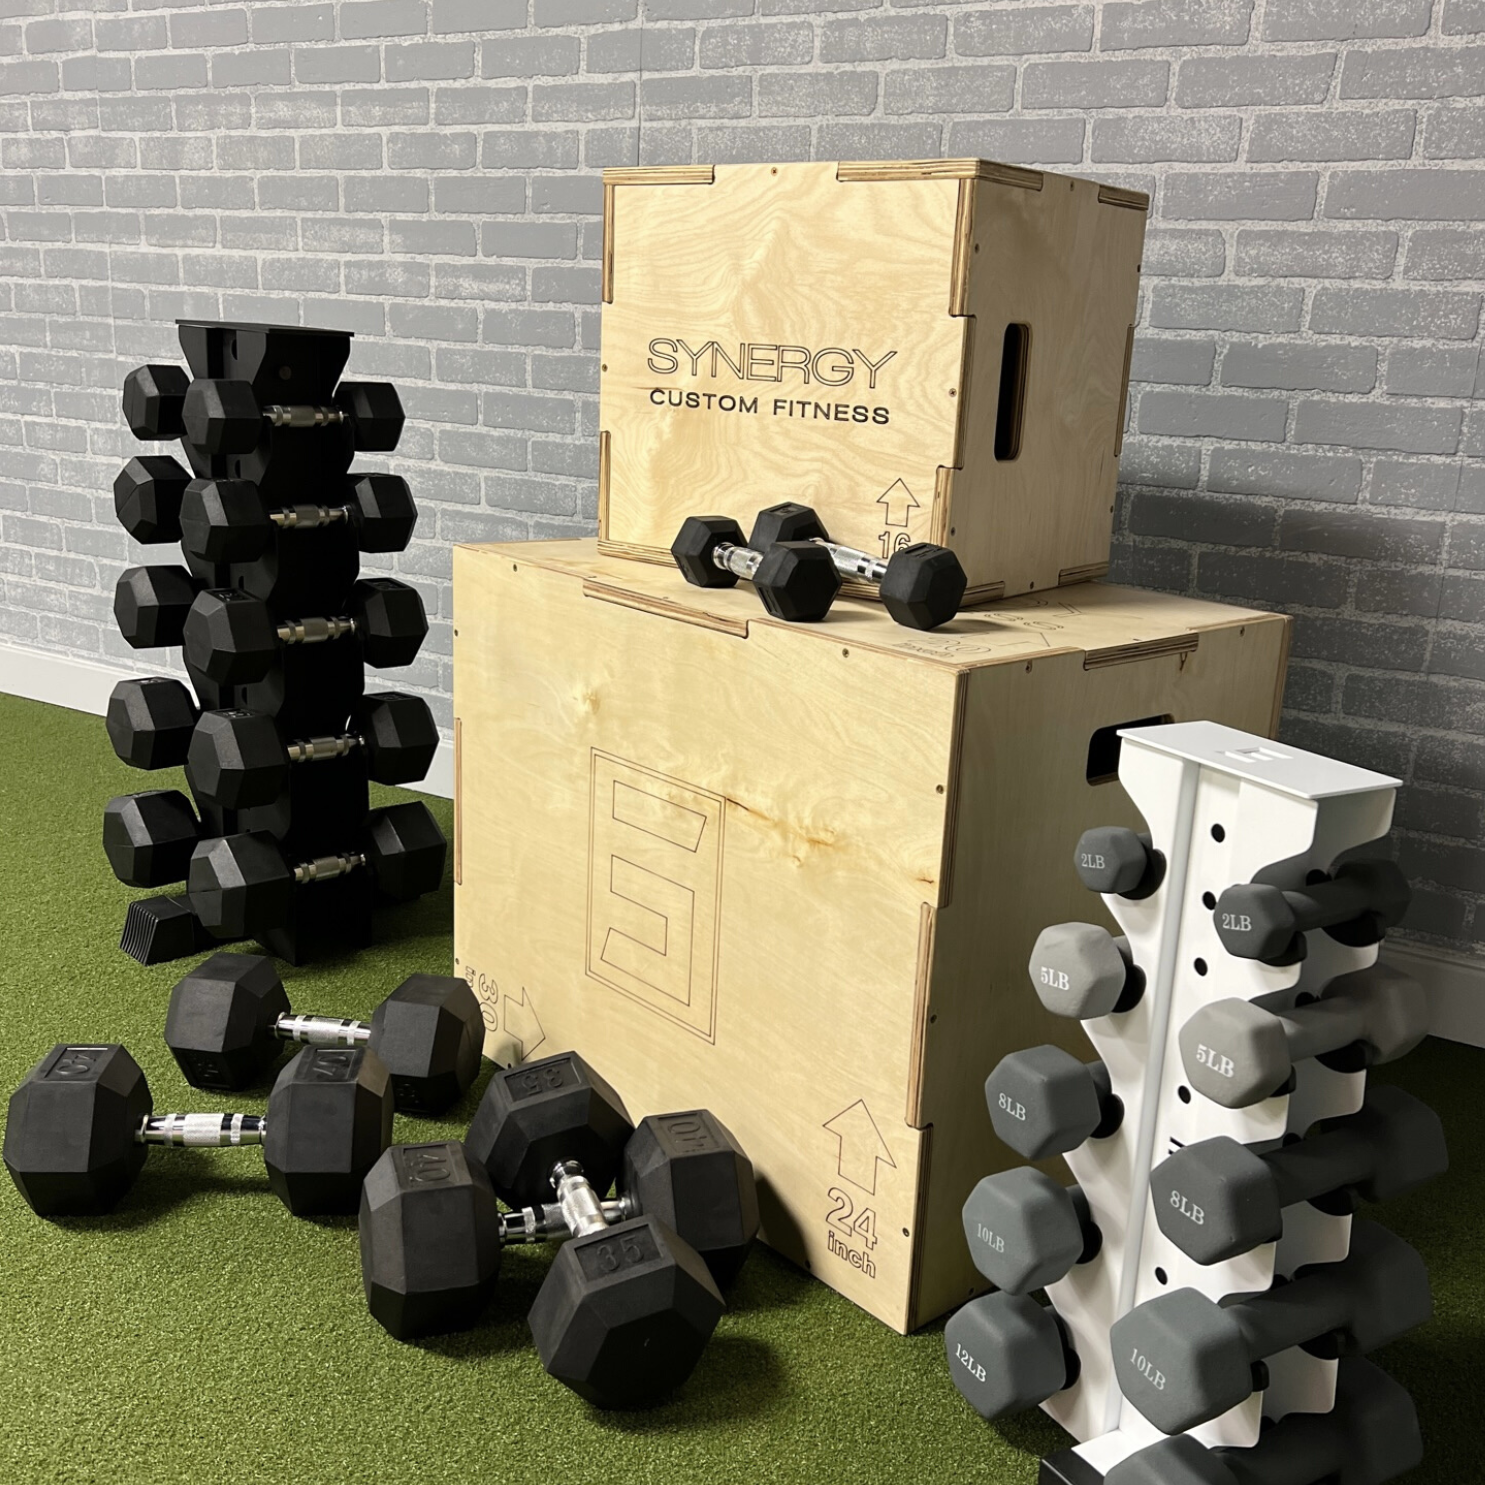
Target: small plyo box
<point>793,873</point>
<point>920,350</point>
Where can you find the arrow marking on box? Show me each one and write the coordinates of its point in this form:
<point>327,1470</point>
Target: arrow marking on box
<point>897,497</point>
<point>522,1026</point>
<point>861,1146</point>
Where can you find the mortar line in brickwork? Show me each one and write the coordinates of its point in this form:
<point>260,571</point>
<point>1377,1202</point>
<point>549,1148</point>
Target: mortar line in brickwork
<point>1160,1012</point>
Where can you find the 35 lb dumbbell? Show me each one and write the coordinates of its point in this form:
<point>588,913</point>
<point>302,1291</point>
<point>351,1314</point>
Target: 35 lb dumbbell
<point>1006,1352</point>
<point>1025,1231</point>
<point>225,417</point>
<point>1356,907</point>
<point>796,580</point>
<point>1217,1198</point>
<point>1183,1359</point>
<point>234,638</point>
<point>1082,971</point>
<point>1043,1102</point>
<point>81,1124</point>
<point>1239,1052</point>
<point>921,586</point>
<point>230,1021</point>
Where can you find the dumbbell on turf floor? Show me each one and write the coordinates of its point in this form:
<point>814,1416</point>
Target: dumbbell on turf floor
<point>1118,862</point>
<point>1356,907</point>
<point>237,759</point>
<point>1239,1052</point>
<point>81,1124</point>
<point>229,1022</point>
<point>1183,1359</point>
<point>1006,1352</point>
<point>225,520</point>
<point>224,417</point>
<point>1043,1102</point>
<point>796,580</point>
<point>921,586</point>
<point>1217,1198</point>
<point>1082,971</point>
<point>234,638</point>
<point>1371,1436</point>
<point>242,886</point>
<point>1025,1231</point>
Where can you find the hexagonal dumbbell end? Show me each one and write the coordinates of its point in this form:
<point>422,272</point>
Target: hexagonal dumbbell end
<point>1115,861</point>
<point>69,1134</point>
<point>625,1314</point>
<point>374,411</point>
<point>923,585</point>
<point>430,1239</point>
<point>1082,971</point>
<point>538,1113</point>
<point>1025,1231</point>
<point>390,621</point>
<point>153,400</point>
<point>688,1170</point>
<point>222,417</point>
<point>224,520</point>
<point>430,1032</point>
<point>797,581</point>
<point>1043,1102</point>
<point>384,512</point>
<point>147,496</point>
<point>399,735</point>
<point>149,837</point>
<point>692,550</point>
<point>788,521</point>
<point>329,1119</point>
<point>219,1026</point>
<point>151,605</point>
<point>150,720</point>
<point>236,759</point>
<point>405,850</point>
<point>1006,1353</point>
<point>229,637</point>
<point>239,885</point>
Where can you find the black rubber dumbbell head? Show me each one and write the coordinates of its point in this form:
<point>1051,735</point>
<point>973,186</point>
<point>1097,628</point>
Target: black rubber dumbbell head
<point>153,401</point>
<point>229,636</point>
<point>538,1113</point>
<point>150,720</point>
<point>390,621</point>
<point>624,1314</point>
<point>151,605</point>
<point>399,733</point>
<point>430,1239</point>
<point>429,1032</point>
<point>688,1170</point>
<point>224,520</point>
<point>240,885</point>
<point>236,759</point>
<point>788,521</point>
<point>385,515</point>
<point>69,1134</point>
<point>1082,971</point>
<point>692,550</point>
<point>1116,861</point>
<point>797,581</point>
<point>222,417</point>
<point>923,585</point>
<point>1025,1231</point>
<point>1044,1102</point>
<point>147,498</point>
<point>149,837</point>
<point>219,1026</point>
<point>375,413</point>
<point>405,850</point>
<point>1006,1353</point>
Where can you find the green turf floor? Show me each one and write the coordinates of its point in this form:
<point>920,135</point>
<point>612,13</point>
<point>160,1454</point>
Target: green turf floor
<point>202,1334</point>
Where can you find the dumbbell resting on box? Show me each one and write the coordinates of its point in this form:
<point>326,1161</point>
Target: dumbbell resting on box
<point>1043,1102</point>
<point>1183,1359</point>
<point>229,1022</point>
<point>1217,1198</point>
<point>1240,1052</point>
<point>81,1124</point>
<point>795,580</point>
<point>1025,1231</point>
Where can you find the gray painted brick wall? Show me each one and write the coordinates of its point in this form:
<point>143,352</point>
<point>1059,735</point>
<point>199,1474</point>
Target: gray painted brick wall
<point>1307,420</point>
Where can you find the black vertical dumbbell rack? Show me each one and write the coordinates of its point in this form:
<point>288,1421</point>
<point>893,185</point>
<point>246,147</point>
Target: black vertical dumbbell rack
<point>271,511</point>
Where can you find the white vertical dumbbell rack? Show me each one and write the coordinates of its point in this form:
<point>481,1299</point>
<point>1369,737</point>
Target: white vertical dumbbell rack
<point>1223,807</point>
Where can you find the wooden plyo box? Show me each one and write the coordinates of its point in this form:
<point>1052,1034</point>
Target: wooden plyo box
<point>922,350</point>
<point>793,873</point>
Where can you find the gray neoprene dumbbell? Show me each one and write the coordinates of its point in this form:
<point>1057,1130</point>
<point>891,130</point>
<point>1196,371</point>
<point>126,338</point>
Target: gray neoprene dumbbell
<point>1114,861</point>
<point>1217,1198</point>
<point>1025,1231</point>
<point>1081,970</point>
<point>1183,1359</point>
<point>1370,1437</point>
<point>1006,1352</point>
<point>1043,1102</point>
<point>1239,1052</point>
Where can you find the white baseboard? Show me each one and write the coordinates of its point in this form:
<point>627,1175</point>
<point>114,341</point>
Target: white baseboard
<point>1454,984</point>
<point>85,685</point>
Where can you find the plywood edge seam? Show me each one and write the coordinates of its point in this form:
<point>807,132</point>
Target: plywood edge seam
<point>1143,649</point>
<point>606,269</point>
<point>660,175</point>
<point>991,170</point>
<point>605,456</point>
<point>662,608</point>
<point>1089,572</point>
<point>964,236</point>
<point>458,801</point>
<point>951,787</point>
<point>922,979</point>
<point>657,556</point>
<point>1286,639</point>
<point>1119,196</point>
<point>920,1219</point>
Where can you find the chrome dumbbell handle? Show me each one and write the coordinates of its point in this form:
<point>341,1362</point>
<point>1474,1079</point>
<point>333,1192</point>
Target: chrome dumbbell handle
<point>313,631</point>
<point>322,1031</point>
<point>201,1131</point>
<point>323,868</point>
<point>743,561</point>
<point>302,415</point>
<point>852,563</point>
<point>307,517</point>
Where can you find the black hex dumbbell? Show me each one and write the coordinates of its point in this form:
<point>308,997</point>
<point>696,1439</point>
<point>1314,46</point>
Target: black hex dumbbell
<point>224,520</point>
<point>796,580</point>
<point>1025,1231</point>
<point>149,837</point>
<point>241,886</point>
<point>237,759</point>
<point>151,605</point>
<point>82,1123</point>
<point>1006,1352</point>
<point>154,397</point>
<point>1371,1436</point>
<point>1116,861</point>
<point>921,586</point>
<point>229,1022</point>
<point>224,417</point>
<point>1043,1102</point>
<point>1217,1198</point>
<point>147,498</point>
<point>1082,971</point>
<point>1240,1052</point>
<point>234,638</point>
<point>1356,906</point>
<point>1182,1359</point>
<point>150,720</point>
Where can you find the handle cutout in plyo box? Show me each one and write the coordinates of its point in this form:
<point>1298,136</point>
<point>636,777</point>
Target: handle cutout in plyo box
<point>1010,406</point>
<point>1104,748</point>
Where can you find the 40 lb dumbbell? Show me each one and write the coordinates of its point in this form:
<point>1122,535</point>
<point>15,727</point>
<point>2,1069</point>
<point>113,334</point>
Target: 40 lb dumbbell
<point>225,417</point>
<point>795,580</point>
<point>230,1021</point>
<point>81,1124</point>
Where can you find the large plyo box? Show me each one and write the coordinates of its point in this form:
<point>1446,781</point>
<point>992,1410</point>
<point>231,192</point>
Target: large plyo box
<point>921,350</point>
<point>793,873</point>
